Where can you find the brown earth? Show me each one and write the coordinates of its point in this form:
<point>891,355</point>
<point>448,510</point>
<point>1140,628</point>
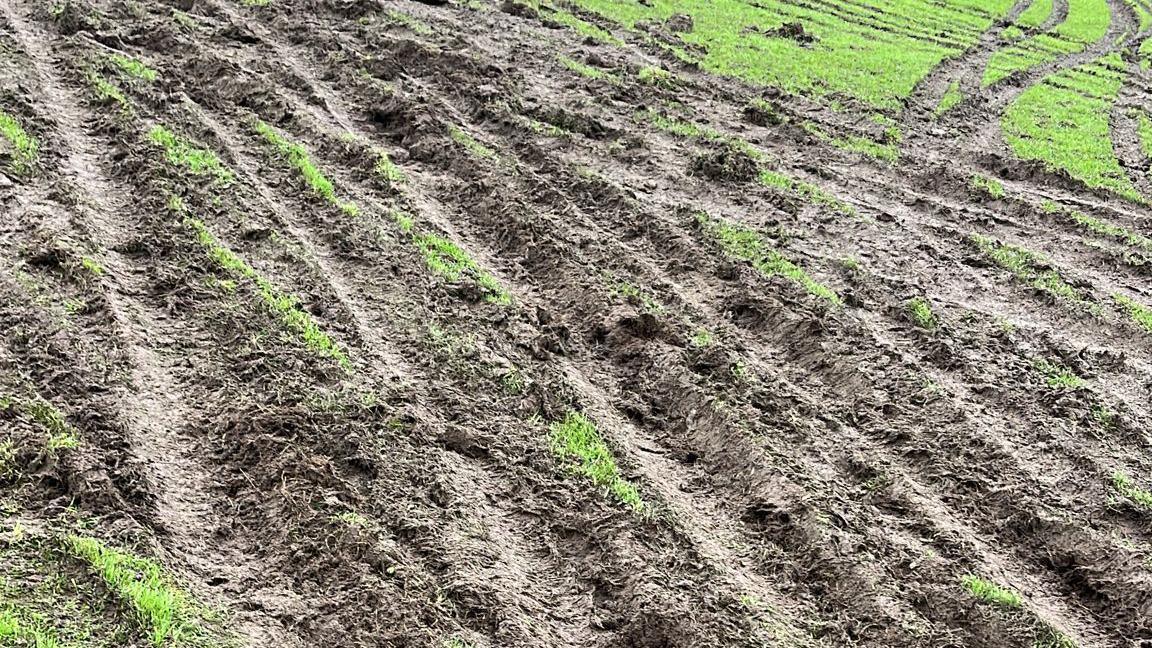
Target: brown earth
<point>818,475</point>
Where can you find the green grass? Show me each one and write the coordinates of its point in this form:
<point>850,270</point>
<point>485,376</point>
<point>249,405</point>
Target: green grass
<point>702,338</point>
<point>107,92</point>
<point>411,22</point>
<point>1028,267</point>
<point>1057,376</point>
<point>586,29</point>
<point>687,129</point>
<point>1087,22</point>
<point>575,439</point>
<point>657,77</point>
<point>746,244</point>
<point>387,169</point>
<point>19,628</point>
<point>921,313</point>
<point>1144,129</point>
<point>160,607</point>
<point>990,592</point>
<point>471,144</point>
<point>988,186</point>
<point>875,52</point>
<point>61,435</point>
<point>1063,123</point>
<point>24,148</point>
<point>134,67</point>
<point>585,70</point>
<point>884,151</point>
<point>298,157</point>
<point>283,305</point>
<point>1035,14</point>
<point>1139,313</point>
<point>92,266</point>
<point>450,261</point>
<point>632,293</point>
<point>951,98</point>
<point>805,191</point>
<point>1126,487</point>
<point>184,154</point>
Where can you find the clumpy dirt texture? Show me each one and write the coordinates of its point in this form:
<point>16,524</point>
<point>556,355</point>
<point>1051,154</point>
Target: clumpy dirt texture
<point>300,300</point>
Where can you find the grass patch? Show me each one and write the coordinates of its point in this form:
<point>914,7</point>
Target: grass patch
<point>1139,313</point>
<point>182,153</point>
<point>587,71</point>
<point>921,313</point>
<point>20,628</point>
<point>746,244</point>
<point>298,157</point>
<point>586,29</point>
<point>990,592</point>
<point>658,77</point>
<point>885,151</point>
<point>576,439</point>
<point>107,92</point>
<point>134,67</point>
<point>283,305</point>
<point>163,611</point>
<point>451,262</point>
<point>1063,122</point>
<point>635,295</point>
<point>24,148</point>
<point>1057,376</point>
<point>471,144</point>
<point>702,338</point>
<point>988,186</point>
<point>1029,267</point>
<point>1127,488</point>
<point>805,191</point>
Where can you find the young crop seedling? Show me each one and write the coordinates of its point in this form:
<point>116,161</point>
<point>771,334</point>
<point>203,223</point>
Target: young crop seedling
<point>988,186</point>
<point>387,169</point>
<point>575,438</point>
<point>745,244</point>
<point>134,67</point>
<point>23,148</point>
<point>990,592</point>
<point>182,153</point>
<point>471,144</point>
<point>1028,267</point>
<point>297,156</point>
<point>1127,488</point>
<point>921,313</point>
<point>1139,313</point>
<point>1057,376</point>
<point>106,92</point>
<point>587,71</point>
<point>586,29</point>
<point>805,191</point>
<point>951,98</point>
<point>633,294</point>
<point>294,318</point>
<point>450,261</point>
<point>657,77</point>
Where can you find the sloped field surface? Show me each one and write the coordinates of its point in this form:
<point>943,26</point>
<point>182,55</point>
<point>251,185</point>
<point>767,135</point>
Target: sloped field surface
<point>668,324</point>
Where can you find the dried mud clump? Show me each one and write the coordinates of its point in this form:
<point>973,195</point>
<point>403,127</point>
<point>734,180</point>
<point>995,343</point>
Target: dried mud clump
<point>725,162</point>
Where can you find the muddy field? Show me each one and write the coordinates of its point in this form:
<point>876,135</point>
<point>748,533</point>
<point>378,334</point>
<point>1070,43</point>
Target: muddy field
<point>388,323</point>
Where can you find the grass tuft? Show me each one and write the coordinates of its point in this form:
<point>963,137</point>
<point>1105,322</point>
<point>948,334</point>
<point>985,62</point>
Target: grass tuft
<point>1139,313</point>
<point>1126,487</point>
<point>921,313</point>
<point>1057,376</point>
<point>298,157</point>
<point>744,243</point>
<point>989,186</point>
<point>1029,267</point>
<point>134,67</point>
<point>952,98</point>
<point>576,438</point>
<point>806,191</point>
<point>182,153</point>
<point>25,148</point>
<point>990,592</point>
<point>471,144</point>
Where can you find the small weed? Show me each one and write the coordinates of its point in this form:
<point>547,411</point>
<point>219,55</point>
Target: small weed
<point>7,459</point>
<point>255,3</point>
<point>1139,313</point>
<point>25,148</point>
<point>1103,416</point>
<point>1057,377</point>
<point>548,130</point>
<point>1125,486</point>
<point>851,264</point>
<point>702,338</point>
<point>921,313</point>
<point>989,186</point>
<point>412,23</point>
<point>512,382</point>
<point>576,438</point>
<point>632,293</point>
<point>93,266</point>
<point>182,153</point>
<point>352,519</point>
<point>743,243</point>
<point>134,67</point>
<point>471,144</point>
<point>990,592</point>
<point>298,157</point>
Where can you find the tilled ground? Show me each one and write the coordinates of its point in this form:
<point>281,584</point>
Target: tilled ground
<point>816,474</point>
